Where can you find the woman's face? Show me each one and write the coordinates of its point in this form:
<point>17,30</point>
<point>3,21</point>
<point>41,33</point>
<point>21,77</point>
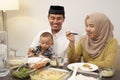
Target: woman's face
<point>90,29</point>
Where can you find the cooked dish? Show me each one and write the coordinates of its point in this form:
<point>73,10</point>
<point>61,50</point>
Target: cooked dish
<point>37,62</point>
<point>15,61</point>
<point>49,74</point>
<point>22,72</point>
<point>87,66</point>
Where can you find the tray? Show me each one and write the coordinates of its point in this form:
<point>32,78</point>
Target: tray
<point>50,74</point>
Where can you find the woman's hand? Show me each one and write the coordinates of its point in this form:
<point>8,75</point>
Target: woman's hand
<point>71,38</point>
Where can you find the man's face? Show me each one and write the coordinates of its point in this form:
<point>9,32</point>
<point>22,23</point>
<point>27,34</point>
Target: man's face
<point>56,21</point>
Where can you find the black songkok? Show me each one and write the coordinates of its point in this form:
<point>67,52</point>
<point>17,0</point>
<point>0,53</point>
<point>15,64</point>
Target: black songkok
<point>56,10</point>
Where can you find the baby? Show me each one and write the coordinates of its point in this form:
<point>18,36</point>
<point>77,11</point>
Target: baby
<point>46,41</point>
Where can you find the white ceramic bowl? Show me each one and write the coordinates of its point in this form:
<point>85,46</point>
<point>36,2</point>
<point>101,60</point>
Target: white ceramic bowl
<point>107,72</point>
<point>15,61</point>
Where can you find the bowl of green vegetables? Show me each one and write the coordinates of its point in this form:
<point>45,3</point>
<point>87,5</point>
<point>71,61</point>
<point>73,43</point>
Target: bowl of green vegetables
<point>21,72</point>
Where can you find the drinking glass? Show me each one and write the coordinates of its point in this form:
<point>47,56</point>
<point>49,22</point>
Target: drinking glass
<point>3,54</point>
<point>60,61</point>
<point>53,61</point>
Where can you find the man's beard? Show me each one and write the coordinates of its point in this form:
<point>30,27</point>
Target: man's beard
<point>56,30</point>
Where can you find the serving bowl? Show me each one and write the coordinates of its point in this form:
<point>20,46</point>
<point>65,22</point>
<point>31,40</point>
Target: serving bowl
<point>107,72</point>
<point>21,72</point>
<point>15,61</point>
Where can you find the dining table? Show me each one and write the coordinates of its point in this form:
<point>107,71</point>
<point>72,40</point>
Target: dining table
<point>116,76</point>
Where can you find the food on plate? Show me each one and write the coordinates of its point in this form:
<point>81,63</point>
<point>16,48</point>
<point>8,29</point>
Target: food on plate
<point>41,64</point>
<point>37,62</point>
<point>48,74</point>
<point>83,67</point>
<point>87,66</point>
<point>79,69</point>
<point>38,65</point>
<point>15,61</point>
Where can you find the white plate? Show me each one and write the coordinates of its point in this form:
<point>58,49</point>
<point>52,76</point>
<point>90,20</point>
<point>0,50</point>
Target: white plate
<point>34,59</point>
<point>82,68</point>
<point>37,59</point>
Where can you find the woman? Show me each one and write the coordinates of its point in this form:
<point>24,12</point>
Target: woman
<point>99,46</point>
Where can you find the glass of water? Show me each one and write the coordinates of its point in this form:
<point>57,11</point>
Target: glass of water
<point>3,54</point>
<point>60,61</point>
<point>3,67</point>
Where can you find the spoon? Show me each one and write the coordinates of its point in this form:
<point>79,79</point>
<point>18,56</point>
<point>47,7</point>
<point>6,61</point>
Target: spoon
<point>74,33</point>
<point>78,35</point>
<point>73,76</point>
<point>21,65</point>
<point>31,71</point>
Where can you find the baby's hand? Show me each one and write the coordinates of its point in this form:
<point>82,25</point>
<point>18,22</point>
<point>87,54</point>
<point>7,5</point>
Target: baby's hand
<point>39,54</point>
<point>31,55</point>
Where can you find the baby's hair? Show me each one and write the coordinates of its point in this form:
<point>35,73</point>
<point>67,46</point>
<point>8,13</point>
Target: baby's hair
<point>46,34</point>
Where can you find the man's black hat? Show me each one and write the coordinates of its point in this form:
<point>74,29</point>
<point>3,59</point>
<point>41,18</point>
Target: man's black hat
<point>55,9</point>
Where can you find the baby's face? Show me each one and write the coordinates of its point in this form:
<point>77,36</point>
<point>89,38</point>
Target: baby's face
<point>45,42</point>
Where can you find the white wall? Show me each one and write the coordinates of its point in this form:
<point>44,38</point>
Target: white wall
<point>23,25</point>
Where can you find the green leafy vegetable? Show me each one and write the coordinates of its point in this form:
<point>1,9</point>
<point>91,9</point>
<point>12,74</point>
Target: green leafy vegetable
<point>22,73</point>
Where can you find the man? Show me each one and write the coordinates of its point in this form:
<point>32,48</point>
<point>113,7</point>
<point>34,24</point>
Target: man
<point>56,17</point>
